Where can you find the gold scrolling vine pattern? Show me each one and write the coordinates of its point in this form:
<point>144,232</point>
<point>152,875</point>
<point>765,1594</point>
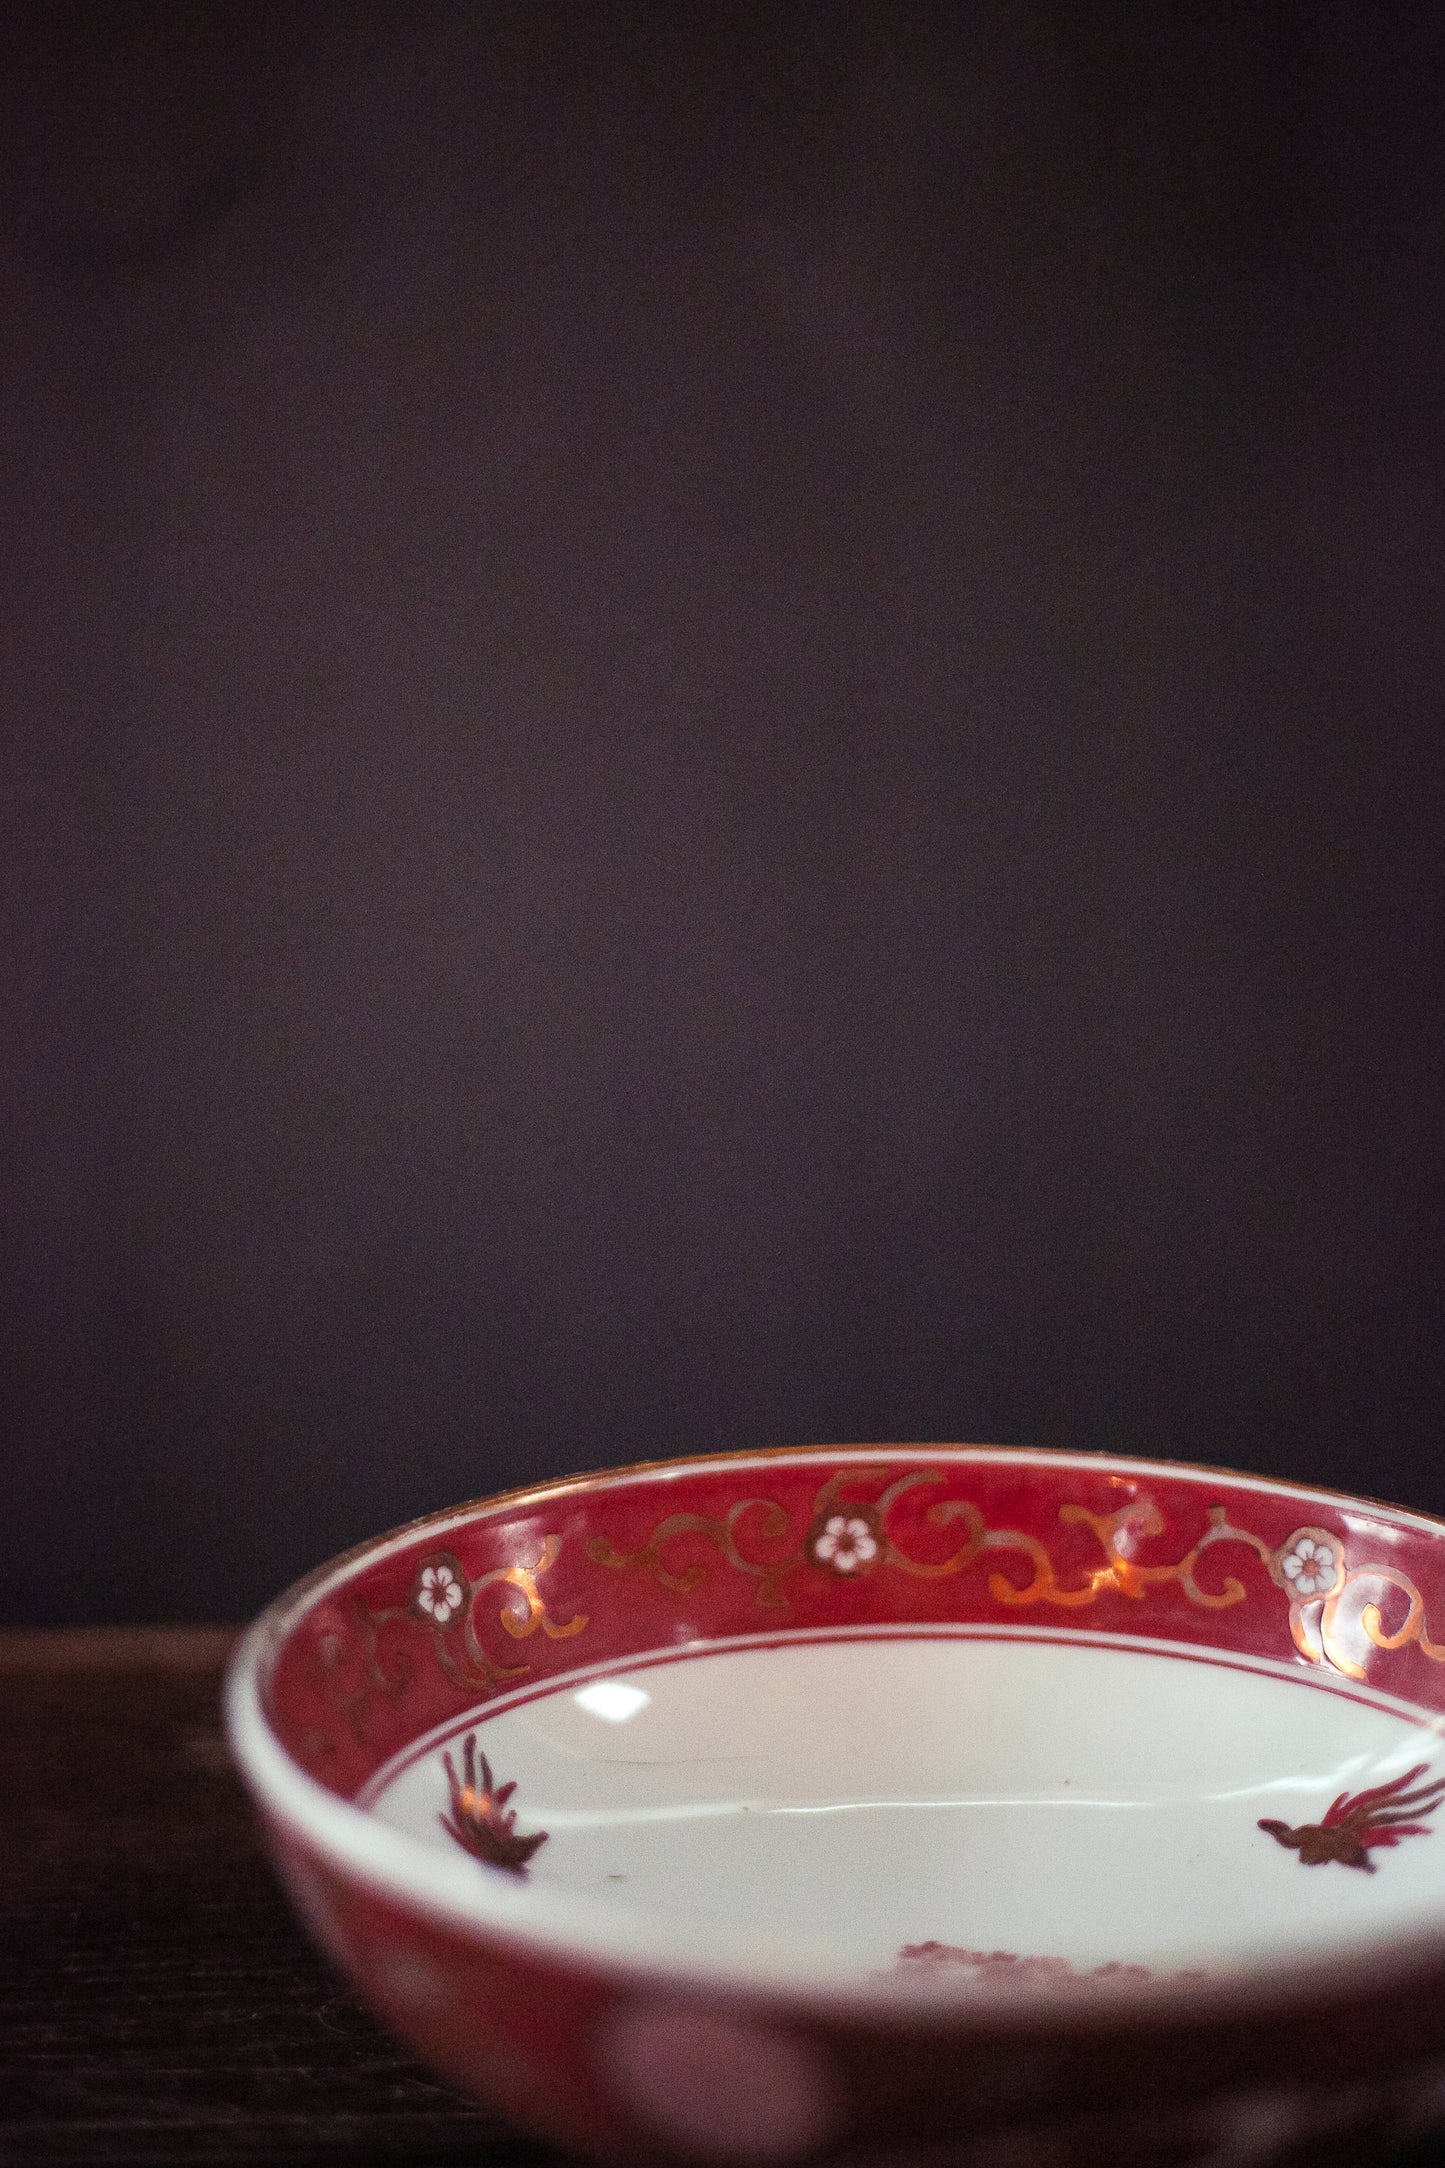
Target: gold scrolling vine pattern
<point>1332,1603</point>
<point>850,1537</point>
<point>447,1602</point>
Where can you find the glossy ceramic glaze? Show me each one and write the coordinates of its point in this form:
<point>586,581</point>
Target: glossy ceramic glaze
<point>852,1798</point>
<point>896,1803</point>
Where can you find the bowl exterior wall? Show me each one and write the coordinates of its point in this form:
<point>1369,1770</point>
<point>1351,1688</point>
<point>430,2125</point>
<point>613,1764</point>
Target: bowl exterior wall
<point>605,2063</point>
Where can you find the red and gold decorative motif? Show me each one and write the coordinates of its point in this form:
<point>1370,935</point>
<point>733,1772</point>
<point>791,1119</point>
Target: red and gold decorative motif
<point>1354,1827</point>
<point>849,1538</point>
<point>1369,1618</point>
<point>480,1820</point>
<point>827,1543</point>
<point>446,1600</point>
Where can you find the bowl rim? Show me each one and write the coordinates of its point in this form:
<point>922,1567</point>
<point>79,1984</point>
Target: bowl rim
<point>577,1931</point>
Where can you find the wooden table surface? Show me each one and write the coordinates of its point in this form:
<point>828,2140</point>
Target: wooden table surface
<point>157,2002</point>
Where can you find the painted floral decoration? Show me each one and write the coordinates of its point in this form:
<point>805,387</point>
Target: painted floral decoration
<point>1352,1828</point>
<point>846,1543</point>
<point>439,1594</point>
<point>1310,1566</point>
<point>946,1963</point>
<point>480,1820</point>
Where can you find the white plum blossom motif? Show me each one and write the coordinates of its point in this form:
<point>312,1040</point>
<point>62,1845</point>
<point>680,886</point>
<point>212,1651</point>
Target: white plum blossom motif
<point>1309,1567</point>
<point>845,1543</point>
<point>439,1594</point>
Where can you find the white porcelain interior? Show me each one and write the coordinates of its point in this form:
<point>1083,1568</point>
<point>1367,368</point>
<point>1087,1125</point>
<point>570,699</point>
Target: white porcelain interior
<point>949,1806</point>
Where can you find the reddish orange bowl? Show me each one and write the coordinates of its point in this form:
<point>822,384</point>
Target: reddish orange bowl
<point>920,1804</point>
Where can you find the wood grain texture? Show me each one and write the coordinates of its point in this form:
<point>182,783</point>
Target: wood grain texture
<point>158,2004</point>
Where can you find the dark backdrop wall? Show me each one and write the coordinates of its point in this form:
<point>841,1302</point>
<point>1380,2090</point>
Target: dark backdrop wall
<point>722,726</point>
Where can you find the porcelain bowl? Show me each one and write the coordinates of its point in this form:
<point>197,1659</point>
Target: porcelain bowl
<point>890,1805</point>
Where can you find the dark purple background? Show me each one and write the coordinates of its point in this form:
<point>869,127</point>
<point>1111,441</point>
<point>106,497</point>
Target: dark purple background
<point>721,726</point>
